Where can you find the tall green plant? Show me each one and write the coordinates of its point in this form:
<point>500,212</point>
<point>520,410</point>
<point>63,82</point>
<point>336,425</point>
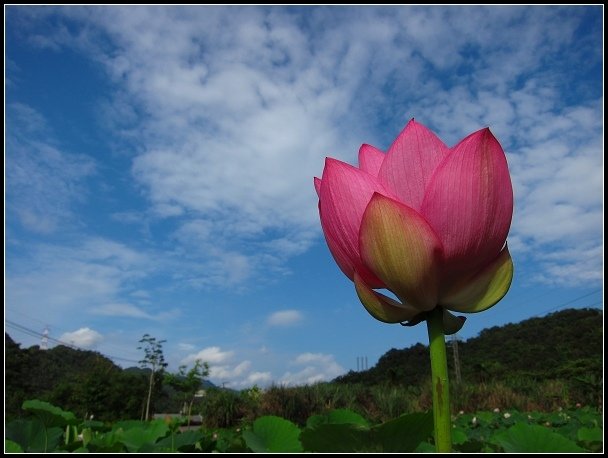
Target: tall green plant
<point>189,383</point>
<point>155,361</point>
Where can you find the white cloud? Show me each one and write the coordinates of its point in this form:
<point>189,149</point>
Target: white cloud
<point>43,183</point>
<point>110,252</point>
<point>248,119</point>
<point>572,266</point>
<point>211,355</point>
<point>141,294</point>
<point>223,370</point>
<point>83,338</point>
<point>258,378</point>
<point>249,380</point>
<point>285,318</point>
<point>558,181</point>
<point>239,135</point>
<point>89,276</point>
<point>185,346</point>
<point>233,116</point>
<point>225,124</point>
<point>229,372</point>
<point>227,368</point>
<point>122,309</point>
<point>317,367</point>
<point>306,358</point>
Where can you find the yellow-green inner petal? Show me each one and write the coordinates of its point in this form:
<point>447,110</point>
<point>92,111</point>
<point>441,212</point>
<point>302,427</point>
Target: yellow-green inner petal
<point>483,290</point>
<point>402,250</point>
<point>381,307</point>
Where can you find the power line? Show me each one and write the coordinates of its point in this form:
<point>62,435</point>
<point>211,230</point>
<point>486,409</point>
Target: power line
<point>25,330</point>
<point>28,317</point>
<point>523,297</point>
<point>567,303</point>
<point>33,333</point>
<point>595,304</point>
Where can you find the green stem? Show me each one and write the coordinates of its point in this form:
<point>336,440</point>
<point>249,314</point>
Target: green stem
<point>439,376</point>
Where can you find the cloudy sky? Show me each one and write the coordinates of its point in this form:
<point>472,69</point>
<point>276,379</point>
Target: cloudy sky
<point>159,166</point>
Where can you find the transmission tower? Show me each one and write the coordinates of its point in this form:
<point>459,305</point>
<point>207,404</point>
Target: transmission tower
<point>454,339</point>
<point>362,363</point>
<point>44,340</point>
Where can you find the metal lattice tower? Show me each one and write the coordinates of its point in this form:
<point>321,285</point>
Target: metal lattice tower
<point>362,363</point>
<point>44,340</point>
<point>454,339</point>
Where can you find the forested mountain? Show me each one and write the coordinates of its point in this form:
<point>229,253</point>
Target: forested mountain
<point>562,345</point>
<point>83,381</point>
<point>565,346</point>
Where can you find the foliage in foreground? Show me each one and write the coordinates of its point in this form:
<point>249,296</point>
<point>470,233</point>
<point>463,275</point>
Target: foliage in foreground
<point>51,429</point>
<point>378,403</point>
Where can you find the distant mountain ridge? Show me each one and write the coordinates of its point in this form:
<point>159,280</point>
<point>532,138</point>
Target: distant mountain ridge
<point>564,344</point>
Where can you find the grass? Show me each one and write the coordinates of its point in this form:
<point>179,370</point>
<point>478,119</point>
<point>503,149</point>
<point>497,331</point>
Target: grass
<point>224,408</point>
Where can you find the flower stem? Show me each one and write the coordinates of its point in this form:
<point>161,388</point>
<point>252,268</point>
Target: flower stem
<point>439,376</point>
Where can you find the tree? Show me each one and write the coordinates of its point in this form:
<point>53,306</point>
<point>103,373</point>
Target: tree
<point>16,365</point>
<point>189,383</point>
<point>153,360</point>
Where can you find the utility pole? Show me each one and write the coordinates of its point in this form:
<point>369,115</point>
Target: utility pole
<point>454,339</point>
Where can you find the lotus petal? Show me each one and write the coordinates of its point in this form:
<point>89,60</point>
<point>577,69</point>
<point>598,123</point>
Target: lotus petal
<point>370,159</point>
<point>381,307</point>
<point>402,250</point>
<point>341,257</point>
<point>469,203</point>
<point>484,289</point>
<point>345,192</point>
<point>410,163</point>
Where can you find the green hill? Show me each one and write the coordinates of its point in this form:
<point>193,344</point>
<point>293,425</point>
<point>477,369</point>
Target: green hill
<point>85,382</point>
<point>563,345</point>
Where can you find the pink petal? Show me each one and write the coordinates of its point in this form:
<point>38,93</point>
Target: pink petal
<point>469,203</point>
<point>318,186</point>
<point>381,307</point>
<point>342,258</point>
<point>370,159</point>
<point>345,192</point>
<point>401,249</point>
<point>484,289</point>
<point>410,163</point>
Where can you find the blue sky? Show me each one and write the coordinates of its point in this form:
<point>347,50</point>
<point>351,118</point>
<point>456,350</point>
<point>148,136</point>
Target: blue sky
<point>159,167</point>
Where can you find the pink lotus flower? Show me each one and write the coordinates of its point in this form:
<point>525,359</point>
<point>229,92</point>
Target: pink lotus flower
<point>427,222</point>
